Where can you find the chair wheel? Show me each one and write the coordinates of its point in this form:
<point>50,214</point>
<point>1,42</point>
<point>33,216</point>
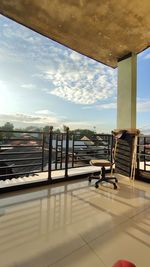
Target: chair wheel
<point>96,185</point>
<point>115,186</point>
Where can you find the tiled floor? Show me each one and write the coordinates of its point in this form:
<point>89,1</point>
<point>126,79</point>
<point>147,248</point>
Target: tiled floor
<point>75,225</point>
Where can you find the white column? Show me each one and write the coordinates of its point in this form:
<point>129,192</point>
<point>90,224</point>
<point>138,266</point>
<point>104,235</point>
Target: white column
<point>126,97</point>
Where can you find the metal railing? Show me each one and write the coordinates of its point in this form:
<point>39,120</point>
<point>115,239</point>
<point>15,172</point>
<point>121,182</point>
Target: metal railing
<point>143,157</point>
<point>21,153</point>
<point>26,153</point>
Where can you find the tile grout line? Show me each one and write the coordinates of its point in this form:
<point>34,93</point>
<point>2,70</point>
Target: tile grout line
<point>139,212</point>
<point>93,251</point>
<point>67,255</point>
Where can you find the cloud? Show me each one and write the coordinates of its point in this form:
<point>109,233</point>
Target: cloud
<point>75,56</point>
<point>28,119</point>
<point>24,120</point>
<point>99,127</point>
<point>144,54</point>
<point>88,107</point>
<point>73,77</point>
<point>20,43</point>
<point>147,56</point>
<point>28,86</point>
<point>143,105</point>
<point>44,112</point>
<point>81,82</point>
<point>112,105</point>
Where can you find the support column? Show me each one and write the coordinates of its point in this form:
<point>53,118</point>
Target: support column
<point>126,96</point>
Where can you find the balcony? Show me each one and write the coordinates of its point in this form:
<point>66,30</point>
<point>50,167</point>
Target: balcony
<point>35,158</point>
<point>70,223</point>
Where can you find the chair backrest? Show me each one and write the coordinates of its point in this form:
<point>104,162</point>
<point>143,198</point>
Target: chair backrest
<point>125,153</point>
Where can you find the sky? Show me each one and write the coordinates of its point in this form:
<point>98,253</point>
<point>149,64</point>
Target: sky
<point>44,83</point>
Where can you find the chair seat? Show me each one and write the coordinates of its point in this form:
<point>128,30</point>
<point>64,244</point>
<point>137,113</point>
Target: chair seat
<point>100,162</point>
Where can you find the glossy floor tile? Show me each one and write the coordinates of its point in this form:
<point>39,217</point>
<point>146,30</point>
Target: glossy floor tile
<point>82,257</point>
<point>74,224</point>
<point>127,241</point>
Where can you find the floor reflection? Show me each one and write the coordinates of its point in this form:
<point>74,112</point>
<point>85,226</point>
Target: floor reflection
<point>42,223</point>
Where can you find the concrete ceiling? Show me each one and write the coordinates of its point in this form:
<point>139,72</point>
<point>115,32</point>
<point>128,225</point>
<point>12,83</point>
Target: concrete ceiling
<point>105,30</point>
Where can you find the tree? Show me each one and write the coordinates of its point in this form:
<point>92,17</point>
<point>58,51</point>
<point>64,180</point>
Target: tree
<point>1,135</point>
<point>8,127</point>
<point>46,129</point>
<point>57,131</point>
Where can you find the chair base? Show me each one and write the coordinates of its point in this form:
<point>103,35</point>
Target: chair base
<point>110,180</point>
<point>102,178</point>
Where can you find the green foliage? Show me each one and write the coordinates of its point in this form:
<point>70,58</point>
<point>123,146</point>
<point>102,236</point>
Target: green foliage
<point>57,131</point>
<point>1,136</point>
<point>7,129</point>
<point>46,129</point>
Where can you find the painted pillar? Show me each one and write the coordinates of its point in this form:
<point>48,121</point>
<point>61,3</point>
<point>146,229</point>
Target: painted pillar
<point>126,96</point>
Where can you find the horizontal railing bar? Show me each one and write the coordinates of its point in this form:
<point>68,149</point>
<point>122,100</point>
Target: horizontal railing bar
<point>93,146</point>
<point>81,165</point>
<point>99,135</point>
<point>141,154</point>
<point>148,144</point>
<point>85,140</point>
<point>81,145</point>
<point>86,165</point>
<point>90,141</point>
<point>80,160</point>
<point>20,131</point>
<point>19,166</point>
<point>19,146</point>
<point>22,139</point>
<point>23,159</point>
<point>91,154</point>
<point>20,153</point>
<point>92,151</point>
<point>145,136</point>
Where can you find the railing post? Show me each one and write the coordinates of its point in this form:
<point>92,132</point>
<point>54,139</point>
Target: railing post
<point>56,151</point>
<point>72,150</point>
<point>61,150</point>
<point>67,148</point>
<point>43,140</point>
<point>138,157</point>
<point>50,153</point>
<point>111,147</point>
<point>144,153</point>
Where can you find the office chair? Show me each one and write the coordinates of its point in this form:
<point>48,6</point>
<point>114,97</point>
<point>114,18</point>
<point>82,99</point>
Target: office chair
<point>124,158</point>
<point>103,178</point>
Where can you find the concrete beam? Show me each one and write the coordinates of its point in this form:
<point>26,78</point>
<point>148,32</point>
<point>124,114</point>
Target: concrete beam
<point>103,30</point>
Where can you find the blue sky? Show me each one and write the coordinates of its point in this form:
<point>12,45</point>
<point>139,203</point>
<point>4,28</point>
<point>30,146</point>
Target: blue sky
<point>44,83</point>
